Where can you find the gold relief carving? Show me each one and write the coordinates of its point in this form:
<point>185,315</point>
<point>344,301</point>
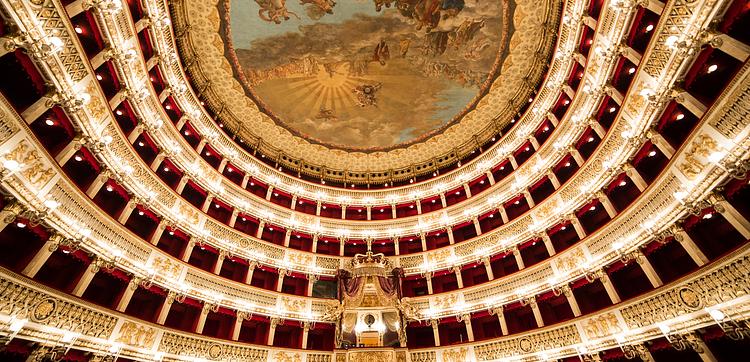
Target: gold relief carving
<point>379,356</point>
<point>95,105</point>
<point>571,261</point>
<point>210,176</point>
<point>431,218</point>
<point>593,68</point>
<point>546,209</point>
<point>136,335</point>
<point>447,301</point>
<point>7,128</point>
<point>214,351</point>
<point>293,305</point>
<point>191,216</point>
<point>439,256</point>
<point>400,356</point>
<point>525,345</point>
<point>691,167</point>
<point>34,169</point>
<point>287,357</point>
<point>690,298</point>
<point>601,326</point>
<point>456,355</point>
<point>44,309</point>
<point>305,219</point>
<point>370,301</point>
<point>637,101</point>
<point>702,146</point>
<point>300,259</point>
<point>171,270</point>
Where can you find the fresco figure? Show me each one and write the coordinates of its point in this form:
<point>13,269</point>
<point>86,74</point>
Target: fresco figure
<point>381,53</point>
<point>274,11</point>
<point>380,3</point>
<point>428,13</point>
<point>318,8</point>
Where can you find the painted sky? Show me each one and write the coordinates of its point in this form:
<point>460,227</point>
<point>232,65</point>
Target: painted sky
<point>306,71</point>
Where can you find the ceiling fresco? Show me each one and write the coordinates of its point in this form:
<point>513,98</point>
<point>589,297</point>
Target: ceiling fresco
<point>367,74</point>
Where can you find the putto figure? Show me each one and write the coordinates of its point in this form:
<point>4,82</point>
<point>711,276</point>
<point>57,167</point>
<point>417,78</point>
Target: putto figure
<point>325,6</point>
<point>274,11</point>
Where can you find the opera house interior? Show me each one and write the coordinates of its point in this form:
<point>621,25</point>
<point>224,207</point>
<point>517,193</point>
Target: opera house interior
<point>374,180</point>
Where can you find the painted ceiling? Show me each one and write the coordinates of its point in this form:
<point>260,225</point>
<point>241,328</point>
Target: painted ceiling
<point>367,74</point>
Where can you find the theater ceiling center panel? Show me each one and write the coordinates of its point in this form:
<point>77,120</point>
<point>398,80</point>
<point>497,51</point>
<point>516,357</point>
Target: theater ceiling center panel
<point>373,74</point>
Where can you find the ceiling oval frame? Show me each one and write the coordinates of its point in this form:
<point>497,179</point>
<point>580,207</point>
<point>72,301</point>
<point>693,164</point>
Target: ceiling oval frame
<point>299,155</point>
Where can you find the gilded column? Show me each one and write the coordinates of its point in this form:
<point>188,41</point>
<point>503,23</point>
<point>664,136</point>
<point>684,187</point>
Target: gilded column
<point>435,331</point>
<point>124,301</point>
<point>608,287</point>
<point>488,267</point>
<point>537,313</point>
<point>731,214</point>
<point>86,278</point>
<point>272,330</point>
<point>466,318</point>
<point>519,259</point>
<point>648,269</point>
<point>42,255</point>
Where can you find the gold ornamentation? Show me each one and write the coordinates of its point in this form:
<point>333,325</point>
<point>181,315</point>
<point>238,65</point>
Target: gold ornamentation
<point>95,106</point>
<point>136,335</point>
<point>447,301</point>
<point>214,351</point>
<point>525,345</point>
<point>400,356</point>
<point>293,305</point>
<point>570,261</point>
<point>34,169</point>
<point>637,102</point>
<point>191,216</point>
<point>546,209</point>
<point>456,355</point>
<point>300,259</point>
<point>601,326</point>
<point>379,356</point>
<point>287,357</point>
<point>439,256</point>
<point>703,146</point>
<point>163,266</point>
<point>7,128</point>
<point>690,298</point>
<point>44,310</point>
